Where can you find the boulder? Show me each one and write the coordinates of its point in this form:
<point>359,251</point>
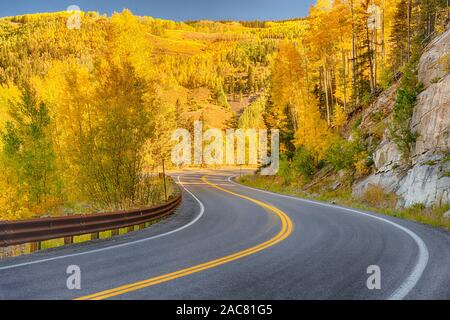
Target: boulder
<point>426,184</point>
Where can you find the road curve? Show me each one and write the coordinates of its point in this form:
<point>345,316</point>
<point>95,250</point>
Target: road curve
<point>228,241</point>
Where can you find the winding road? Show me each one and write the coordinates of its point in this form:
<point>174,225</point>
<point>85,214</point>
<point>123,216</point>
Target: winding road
<point>228,241</point>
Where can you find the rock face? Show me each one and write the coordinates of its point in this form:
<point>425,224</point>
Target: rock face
<point>434,63</point>
<point>381,108</point>
<point>427,181</point>
<point>431,119</point>
<point>425,184</point>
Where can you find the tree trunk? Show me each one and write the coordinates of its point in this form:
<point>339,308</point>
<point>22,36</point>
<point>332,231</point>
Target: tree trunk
<point>383,44</point>
<point>325,82</point>
<point>448,11</point>
<point>344,75</point>
<point>408,53</point>
<point>354,54</point>
<point>330,84</point>
<point>370,55</point>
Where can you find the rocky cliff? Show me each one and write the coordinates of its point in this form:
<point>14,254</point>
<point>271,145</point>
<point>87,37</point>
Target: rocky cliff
<point>427,180</point>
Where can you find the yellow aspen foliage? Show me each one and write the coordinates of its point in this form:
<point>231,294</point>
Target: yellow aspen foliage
<point>129,41</point>
<point>9,92</point>
<point>339,117</point>
<point>361,164</point>
<point>13,206</point>
<point>313,132</point>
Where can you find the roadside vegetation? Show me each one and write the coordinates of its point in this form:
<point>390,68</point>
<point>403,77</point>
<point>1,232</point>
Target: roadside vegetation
<point>375,199</point>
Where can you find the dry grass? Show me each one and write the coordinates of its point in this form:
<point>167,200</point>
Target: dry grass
<point>375,196</point>
<point>375,199</point>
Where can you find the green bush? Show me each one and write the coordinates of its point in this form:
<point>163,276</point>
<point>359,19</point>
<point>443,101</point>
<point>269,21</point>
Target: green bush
<point>387,77</point>
<point>343,154</point>
<point>400,131</point>
<point>340,155</point>
<point>285,171</point>
<point>366,99</point>
<point>303,163</point>
<point>356,123</point>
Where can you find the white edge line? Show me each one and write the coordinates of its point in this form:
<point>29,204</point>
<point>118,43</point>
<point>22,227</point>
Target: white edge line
<point>422,260</point>
<point>202,211</point>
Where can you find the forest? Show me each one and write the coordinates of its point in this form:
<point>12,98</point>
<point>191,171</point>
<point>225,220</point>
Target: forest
<point>86,114</point>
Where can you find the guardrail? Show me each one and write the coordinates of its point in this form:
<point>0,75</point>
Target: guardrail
<point>36,230</point>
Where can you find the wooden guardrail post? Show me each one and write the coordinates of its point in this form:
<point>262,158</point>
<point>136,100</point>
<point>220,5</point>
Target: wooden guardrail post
<point>130,229</point>
<point>35,246</point>
<point>95,235</point>
<point>114,232</point>
<point>68,240</point>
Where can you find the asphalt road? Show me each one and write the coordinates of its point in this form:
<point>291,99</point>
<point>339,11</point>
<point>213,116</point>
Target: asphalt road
<point>228,241</point>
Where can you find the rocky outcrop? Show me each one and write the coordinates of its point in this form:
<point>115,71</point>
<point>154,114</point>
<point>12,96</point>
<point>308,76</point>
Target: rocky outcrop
<point>379,110</point>
<point>425,183</point>
<point>427,180</point>
<point>386,156</point>
<point>431,119</point>
<point>434,62</point>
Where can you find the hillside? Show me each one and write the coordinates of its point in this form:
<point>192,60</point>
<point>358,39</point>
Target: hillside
<point>124,79</point>
<point>199,61</point>
<point>87,112</point>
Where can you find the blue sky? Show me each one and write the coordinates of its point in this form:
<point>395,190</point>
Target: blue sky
<point>179,10</point>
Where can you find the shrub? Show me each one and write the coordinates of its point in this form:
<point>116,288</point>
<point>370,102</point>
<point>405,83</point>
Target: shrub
<point>343,154</point>
<point>387,76</point>
<point>444,61</point>
<point>303,163</point>
<point>340,155</point>
<point>362,164</point>
<point>376,196</point>
<point>357,123</point>
<point>366,99</point>
<point>436,80</point>
<point>418,206</point>
<point>285,171</point>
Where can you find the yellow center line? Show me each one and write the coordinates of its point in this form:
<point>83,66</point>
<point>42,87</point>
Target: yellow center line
<point>286,230</point>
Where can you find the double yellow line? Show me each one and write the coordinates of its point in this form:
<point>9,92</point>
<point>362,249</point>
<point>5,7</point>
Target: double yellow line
<point>286,230</point>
